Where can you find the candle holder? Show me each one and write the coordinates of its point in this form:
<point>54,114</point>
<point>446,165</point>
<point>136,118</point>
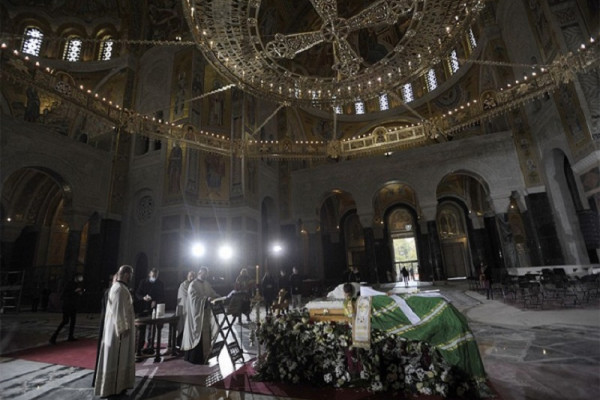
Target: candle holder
<point>256,302</point>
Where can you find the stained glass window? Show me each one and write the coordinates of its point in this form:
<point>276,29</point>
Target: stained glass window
<point>73,49</point>
<point>359,106</point>
<point>32,41</point>
<point>383,102</point>
<point>453,63</point>
<point>472,39</point>
<point>106,49</point>
<point>407,93</point>
<point>431,80</point>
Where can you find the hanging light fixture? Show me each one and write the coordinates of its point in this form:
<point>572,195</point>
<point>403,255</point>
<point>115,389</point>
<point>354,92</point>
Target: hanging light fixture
<point>314,53</point>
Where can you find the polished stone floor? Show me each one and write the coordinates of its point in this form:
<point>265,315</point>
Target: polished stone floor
<point>528,354</point>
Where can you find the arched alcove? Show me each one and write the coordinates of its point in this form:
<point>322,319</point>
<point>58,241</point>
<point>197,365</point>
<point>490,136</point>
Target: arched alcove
<point>462,227</point>
<point>338,224</point>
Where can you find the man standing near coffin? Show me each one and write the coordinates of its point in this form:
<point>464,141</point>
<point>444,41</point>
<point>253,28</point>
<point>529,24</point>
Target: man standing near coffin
<point>116,361</point>
<point>199,329</point>
<point>149,293</point>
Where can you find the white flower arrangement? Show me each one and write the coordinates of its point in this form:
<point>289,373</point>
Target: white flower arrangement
<point>321,353</point>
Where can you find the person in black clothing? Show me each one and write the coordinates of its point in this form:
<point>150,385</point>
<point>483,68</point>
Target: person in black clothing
<point>485,279</point>
<point>404,273</point>
<point>283,282</point>
<point>354,274</point>
<point>71,296</point>
<point>150,292</point>
<point>239,302</point>
<point>269,290</point>
<point>296,288</point>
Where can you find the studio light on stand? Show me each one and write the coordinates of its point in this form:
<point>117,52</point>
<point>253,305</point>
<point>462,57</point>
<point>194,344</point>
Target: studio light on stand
<point>198,250</point>
<point>256,302</point>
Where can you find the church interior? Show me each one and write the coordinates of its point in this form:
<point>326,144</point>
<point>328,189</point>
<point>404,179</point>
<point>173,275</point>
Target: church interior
<point>330,136</point>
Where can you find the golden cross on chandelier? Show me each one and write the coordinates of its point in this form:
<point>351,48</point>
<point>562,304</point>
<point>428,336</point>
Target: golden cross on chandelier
<point>321,53</point>
<point>335,30</point>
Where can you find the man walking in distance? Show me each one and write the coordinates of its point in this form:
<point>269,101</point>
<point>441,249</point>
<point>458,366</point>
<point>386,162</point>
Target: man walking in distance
<point>71,297</point>
<point>296,287</point>
<point>116,363</point>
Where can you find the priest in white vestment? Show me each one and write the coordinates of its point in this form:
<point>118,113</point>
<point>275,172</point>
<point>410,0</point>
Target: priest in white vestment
<point>182,299</point>
<point>116,361</point>
<point>200,329</point>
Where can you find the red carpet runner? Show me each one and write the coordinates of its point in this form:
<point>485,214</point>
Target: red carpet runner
<point>80,353</point>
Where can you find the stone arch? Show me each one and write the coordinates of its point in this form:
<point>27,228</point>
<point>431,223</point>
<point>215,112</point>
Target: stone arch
<point>468,187</point>
<point>337,213</point>
<point>390,200</point>
<point>42,233</point>
<point>390,194</point>
<point>463,204</point>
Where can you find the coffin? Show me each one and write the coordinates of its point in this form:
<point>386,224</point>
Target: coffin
<point>327,310</point>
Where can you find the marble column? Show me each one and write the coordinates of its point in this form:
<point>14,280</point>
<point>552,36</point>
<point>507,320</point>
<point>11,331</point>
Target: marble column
<point>312,251</point>
<point>370,256</point>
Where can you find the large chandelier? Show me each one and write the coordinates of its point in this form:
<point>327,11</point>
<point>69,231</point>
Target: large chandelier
<point>326,52</point>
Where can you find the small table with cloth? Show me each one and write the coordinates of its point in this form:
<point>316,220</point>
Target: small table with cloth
<point>156,325</point>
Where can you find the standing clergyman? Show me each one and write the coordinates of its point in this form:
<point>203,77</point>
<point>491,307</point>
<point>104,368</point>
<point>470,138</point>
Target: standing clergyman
<point>116,361</point>
<point>199,330</point>
<point>182,300</point>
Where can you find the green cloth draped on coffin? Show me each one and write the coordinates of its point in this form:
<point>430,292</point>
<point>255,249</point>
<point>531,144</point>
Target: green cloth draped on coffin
<point>440,325</point>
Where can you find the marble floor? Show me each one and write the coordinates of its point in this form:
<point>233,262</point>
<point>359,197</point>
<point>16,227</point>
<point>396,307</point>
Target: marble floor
<point>528,354</point>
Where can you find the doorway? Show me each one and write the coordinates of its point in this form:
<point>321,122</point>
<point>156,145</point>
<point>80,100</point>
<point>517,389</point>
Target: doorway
<point>401,223</point>
<point>405,255</point>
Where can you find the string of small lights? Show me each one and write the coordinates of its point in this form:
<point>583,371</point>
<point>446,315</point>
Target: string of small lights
<point>25,70</point>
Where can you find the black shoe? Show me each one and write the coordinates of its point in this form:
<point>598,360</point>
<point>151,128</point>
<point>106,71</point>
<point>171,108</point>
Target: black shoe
<point>71,339</point>
<point>52,340</point>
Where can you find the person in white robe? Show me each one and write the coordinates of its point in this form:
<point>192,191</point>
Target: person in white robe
<point>181,310</point>
<point>200,328</point>
<point>116,361</point>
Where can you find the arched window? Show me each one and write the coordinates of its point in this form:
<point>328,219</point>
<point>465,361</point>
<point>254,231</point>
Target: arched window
<point>453,62</point>
<point>431,80</point>
<point>472,40</point>
<point>73,49</point>
<point>407,93</point>
<point>106,49</point>
<point>383,102</point>
<point>359,107</point>
<point>32,41</point>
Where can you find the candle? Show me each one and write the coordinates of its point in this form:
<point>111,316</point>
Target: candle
<point>257,268</point>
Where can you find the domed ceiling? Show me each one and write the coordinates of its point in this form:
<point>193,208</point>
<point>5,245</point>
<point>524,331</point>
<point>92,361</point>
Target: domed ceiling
<point>327,52</point>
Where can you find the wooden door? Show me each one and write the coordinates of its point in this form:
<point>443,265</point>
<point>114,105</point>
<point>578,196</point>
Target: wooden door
<point>455,259</point>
